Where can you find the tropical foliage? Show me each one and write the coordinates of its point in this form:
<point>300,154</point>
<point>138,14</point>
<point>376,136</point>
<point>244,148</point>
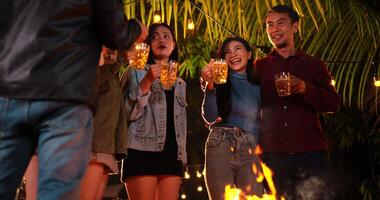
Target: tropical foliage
<point>344,33</point>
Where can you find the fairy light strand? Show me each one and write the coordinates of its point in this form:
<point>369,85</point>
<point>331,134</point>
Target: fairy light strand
<point>264,49</point>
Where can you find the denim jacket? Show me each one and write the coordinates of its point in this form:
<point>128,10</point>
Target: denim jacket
<point>146,115</point>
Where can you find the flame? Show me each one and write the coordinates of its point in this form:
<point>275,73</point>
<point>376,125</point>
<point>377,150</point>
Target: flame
<point>258,150</point>
<point>268,175</point>
<point>232,193</point>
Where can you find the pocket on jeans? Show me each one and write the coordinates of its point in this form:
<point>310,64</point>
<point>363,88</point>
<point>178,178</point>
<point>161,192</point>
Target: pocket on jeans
<point>214,140</point>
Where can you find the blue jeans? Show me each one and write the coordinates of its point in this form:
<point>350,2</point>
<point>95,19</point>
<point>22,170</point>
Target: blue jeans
<point>59,131</point>
<point>229,158</point>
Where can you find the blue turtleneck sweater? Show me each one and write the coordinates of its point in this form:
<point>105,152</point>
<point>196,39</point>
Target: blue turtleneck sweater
<point>245,104</point>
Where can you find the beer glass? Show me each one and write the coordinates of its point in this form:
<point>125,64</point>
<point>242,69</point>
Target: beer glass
<point>282,82</point>
<point>219,71</point>
<point>169,73</point>
<point>142,52</point>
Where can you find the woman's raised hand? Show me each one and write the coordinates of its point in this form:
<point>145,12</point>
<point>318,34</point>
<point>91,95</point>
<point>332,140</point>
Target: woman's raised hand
<point>206,74</point>
<point>153,72</point>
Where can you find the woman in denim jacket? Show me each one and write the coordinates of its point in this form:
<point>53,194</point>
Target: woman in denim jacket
<point>157,124</point>
<point>231,111</point>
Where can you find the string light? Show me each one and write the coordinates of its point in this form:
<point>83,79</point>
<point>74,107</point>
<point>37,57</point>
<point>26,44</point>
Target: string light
<point>190,24</point>
<point>376,81</point>
<point>187,175</point>
<point>156,16</point>
<point>332,81</point>
<point>193,176</point>
<point>264,49</point>
<point>199,175</point>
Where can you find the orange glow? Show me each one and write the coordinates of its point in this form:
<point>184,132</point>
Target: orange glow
<point>258,150</point>
<point>268,176</point>
<point>232,193</point>
<point>254,169</point>
<point>260,177</point>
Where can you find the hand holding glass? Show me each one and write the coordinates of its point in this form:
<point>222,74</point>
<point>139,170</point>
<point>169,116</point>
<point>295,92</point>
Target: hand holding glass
<point>219,71</point>
<point>142,52</point>
<point>282,82</point>
<point>168,74</point>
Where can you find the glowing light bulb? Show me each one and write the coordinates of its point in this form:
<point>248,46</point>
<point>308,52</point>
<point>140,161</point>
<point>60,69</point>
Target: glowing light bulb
<point>183,196</point>
<point>156,17</point>
<point>199,188</point>
<point>376,82</point>
<point>187,175</point>
<point>332,82</point>
<point>199,175</point>
<point>190,25</point>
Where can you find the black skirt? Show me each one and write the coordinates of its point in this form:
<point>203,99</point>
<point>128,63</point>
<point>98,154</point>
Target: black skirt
<point>165,162</point>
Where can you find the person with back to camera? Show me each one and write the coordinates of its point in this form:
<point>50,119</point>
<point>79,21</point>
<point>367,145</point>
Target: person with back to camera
<point>294,146</point>
<point>48,59</point>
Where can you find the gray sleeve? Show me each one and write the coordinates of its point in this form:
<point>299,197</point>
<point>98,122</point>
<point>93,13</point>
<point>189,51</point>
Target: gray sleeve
<point>135,101</point>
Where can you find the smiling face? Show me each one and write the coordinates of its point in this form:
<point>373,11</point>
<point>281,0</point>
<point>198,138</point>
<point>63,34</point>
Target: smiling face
<point>280,30</point>
<point>237,56</point>
<point>162,43</point>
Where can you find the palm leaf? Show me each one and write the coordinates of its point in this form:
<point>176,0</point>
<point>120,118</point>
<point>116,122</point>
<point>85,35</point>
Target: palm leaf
<point>351,34</point>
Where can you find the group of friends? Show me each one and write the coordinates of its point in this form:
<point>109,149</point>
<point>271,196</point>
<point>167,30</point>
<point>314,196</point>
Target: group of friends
<point>77,120</point>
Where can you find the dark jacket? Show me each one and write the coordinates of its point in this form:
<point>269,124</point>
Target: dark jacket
<point>110,123</point>
<point>49,49</point>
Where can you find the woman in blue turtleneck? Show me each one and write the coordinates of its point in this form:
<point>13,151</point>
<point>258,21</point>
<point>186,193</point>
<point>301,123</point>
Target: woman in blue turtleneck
<point>231,111</point>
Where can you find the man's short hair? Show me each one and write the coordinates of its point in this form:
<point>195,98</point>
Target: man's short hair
<point>285,9</point>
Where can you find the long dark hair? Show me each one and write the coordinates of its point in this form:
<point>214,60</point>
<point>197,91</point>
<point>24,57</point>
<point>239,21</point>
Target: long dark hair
<point>223,91</point>
<point>152,28</point>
